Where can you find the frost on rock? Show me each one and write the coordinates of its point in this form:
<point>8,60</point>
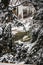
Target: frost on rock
<point>20,50</point>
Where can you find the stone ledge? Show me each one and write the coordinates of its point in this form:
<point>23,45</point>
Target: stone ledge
<point>14,64</point>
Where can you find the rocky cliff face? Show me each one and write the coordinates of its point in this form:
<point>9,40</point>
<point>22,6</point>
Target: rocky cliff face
<point>37,33</point>
<point>27,52</point>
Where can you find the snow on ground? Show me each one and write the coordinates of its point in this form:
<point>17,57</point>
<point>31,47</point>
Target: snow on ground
<point>17,29</point>
<point>27,24</point>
